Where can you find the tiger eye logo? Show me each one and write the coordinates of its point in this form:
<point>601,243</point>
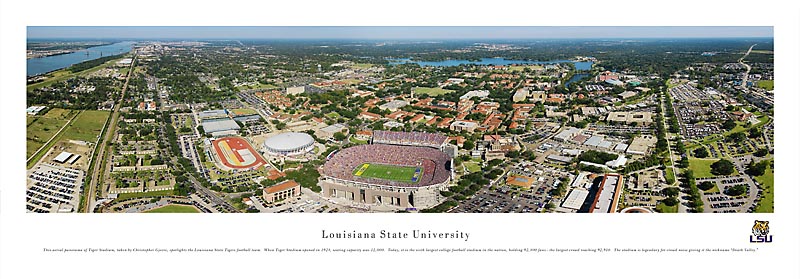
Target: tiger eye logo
<point>760,232</point>
<point>761,228</point>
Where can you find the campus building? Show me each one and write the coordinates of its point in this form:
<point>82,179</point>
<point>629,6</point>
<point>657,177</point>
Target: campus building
<point>281,191</point>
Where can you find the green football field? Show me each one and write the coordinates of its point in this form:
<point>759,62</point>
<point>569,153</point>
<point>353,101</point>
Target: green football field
<point>388,172</point>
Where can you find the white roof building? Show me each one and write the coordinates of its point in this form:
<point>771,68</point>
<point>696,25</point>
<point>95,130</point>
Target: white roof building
<point>620,161</point>
<point>222,125</point>
<point>393,105</point>
<point>63,157</point>
<point>575,199</point>
<point>475,93</point>
<point>599,142</point>
<point>567,134</point>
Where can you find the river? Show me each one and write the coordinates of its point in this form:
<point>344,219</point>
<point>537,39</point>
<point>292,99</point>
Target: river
<point>37,66</point>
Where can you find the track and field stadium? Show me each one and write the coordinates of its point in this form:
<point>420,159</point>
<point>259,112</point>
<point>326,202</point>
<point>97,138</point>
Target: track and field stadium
<point>398,175</point>
<point>237,153</point>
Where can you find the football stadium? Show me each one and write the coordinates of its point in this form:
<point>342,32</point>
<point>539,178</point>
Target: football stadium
<point>403,174</point>
<point>236,153</point>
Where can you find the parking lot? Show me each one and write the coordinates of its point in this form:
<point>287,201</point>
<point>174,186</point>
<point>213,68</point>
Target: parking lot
<point>697,112</point>
<point>719,202</point>
<point>53,188</point>
<point>505,200</point>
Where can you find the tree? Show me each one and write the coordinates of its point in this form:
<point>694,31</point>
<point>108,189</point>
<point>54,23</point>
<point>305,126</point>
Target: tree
<point>754,133</point>
<point>757,169</point>
<point>339,136</point>
<point>597,157</point>
<point>736,190</point>
<point>670,201</point>
<point>706,185</point>
<point>495,162</point>
<point>671,191</point>
<point>722,167</point>
<point>737,137</point>
<point>761,152</point>
<point>469,145</point>
<point>701,152</point>
<point>729,124</point>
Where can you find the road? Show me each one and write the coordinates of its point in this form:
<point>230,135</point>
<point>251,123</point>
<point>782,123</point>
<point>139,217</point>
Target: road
<point>101,148</point>
<point>211,195</point>
<point>746,73</point>
<point>200,190</point>
<point>682,208</point>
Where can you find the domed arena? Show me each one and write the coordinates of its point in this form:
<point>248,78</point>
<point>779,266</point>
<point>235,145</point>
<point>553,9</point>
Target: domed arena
<point>288,144</point>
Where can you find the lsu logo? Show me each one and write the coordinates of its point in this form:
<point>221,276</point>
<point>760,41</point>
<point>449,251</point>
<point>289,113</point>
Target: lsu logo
<point>761,232</point>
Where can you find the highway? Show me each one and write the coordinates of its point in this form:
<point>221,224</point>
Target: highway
<point>746,73</point>
<point>101,148</point>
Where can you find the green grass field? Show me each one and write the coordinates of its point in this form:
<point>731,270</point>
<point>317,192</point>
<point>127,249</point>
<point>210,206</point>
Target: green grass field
<point>361,66</point>
<point>388,172</point>
<point>523,67</point>
<point>61,114</point>
<point>41,128</point>
<point>87,126</point>
<point>663,208</point>
<point>702,167</point>
<point>766,84</point>
<point>357,141</point>
<point>174,208</point>
<point>431,91</point>
<point>125,196</point>
<point>473,165</point>
<point>767,181</point>
<point>257,86</point>
<point>670,175</point>
<point>40,131</point>
<point>244,111</point>
<point>351,81</point>
<point>188,123</point>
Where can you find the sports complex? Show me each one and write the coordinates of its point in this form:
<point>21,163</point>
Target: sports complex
<point>406,175</point>
<point>237,153</point>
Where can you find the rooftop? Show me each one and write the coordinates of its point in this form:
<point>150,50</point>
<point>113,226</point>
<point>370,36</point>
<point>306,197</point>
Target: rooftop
<point>280,186</point>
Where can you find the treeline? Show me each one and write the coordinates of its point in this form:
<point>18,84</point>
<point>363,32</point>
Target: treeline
<point>85,65</point>
<point>442,207</point>
<point>673,121</point>
<point>690,186</point>
<point>307,177</point>
<point>597,157</point>
<point>61,94</point>
<point>183,186</point>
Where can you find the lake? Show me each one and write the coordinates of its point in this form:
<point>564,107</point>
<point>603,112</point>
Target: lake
<point>43,65</point>
<point>575,78</point>
<point>579,65</point>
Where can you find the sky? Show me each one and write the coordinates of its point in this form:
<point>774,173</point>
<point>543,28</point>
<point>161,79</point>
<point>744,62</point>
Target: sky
<point>398,33</point>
